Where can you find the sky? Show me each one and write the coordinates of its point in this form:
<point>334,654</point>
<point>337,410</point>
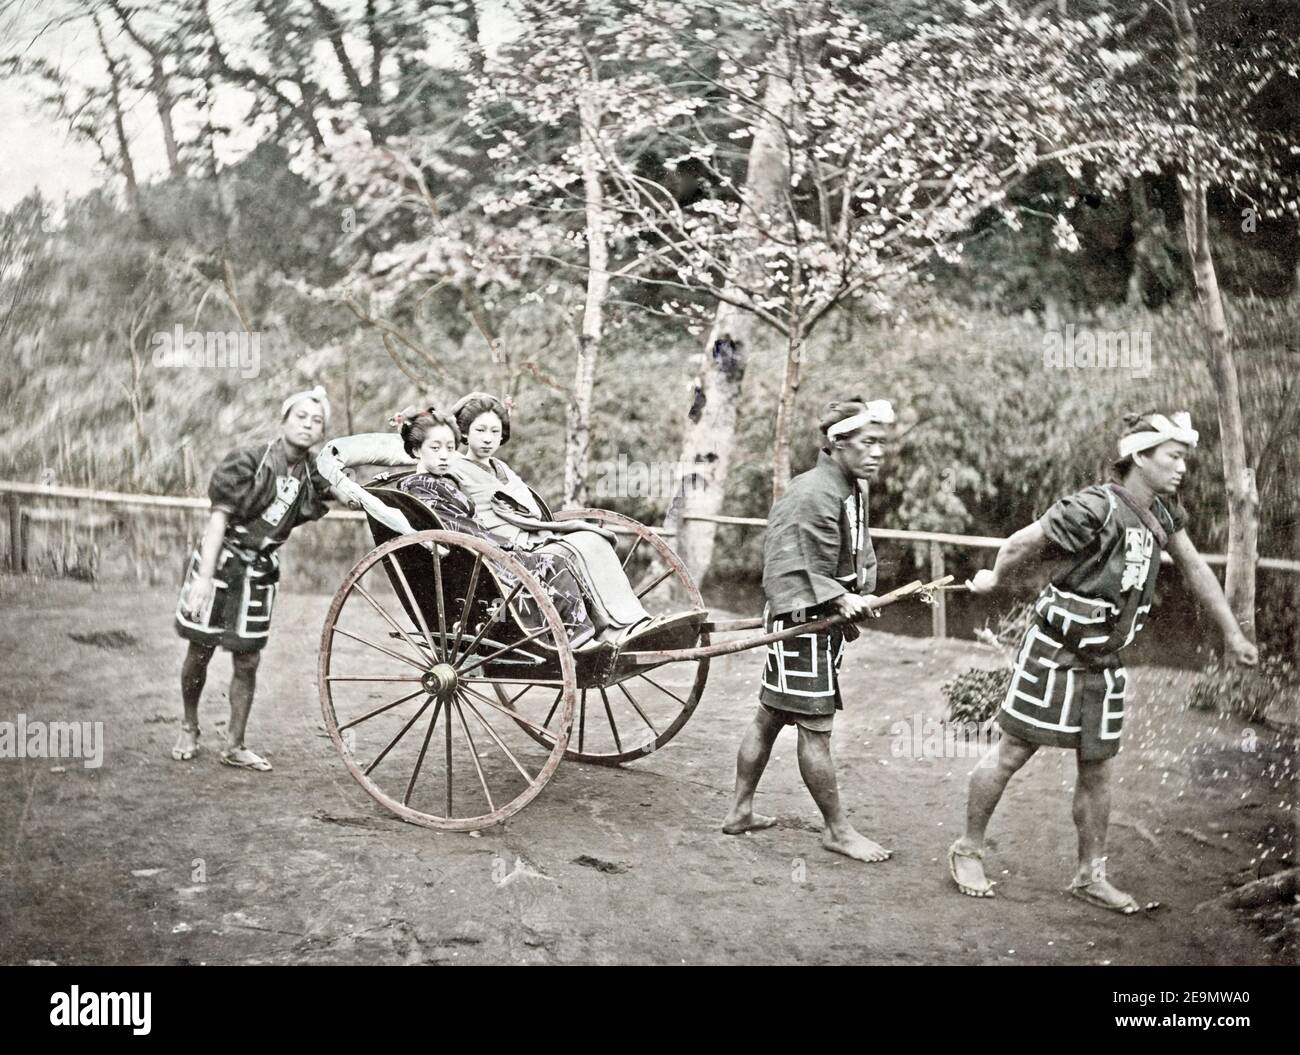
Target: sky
<point>39,153</point>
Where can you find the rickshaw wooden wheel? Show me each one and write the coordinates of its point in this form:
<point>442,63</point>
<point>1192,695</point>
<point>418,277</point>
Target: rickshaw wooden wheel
<point>378,633</point>
<point>652,712</point>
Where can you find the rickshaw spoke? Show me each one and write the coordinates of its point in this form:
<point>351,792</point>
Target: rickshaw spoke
<point>495,617</point>
<point>448,728</point>
<point>506,681</point>
<point>514,716</point>
<point>642,592</point>
<point>379,648</point>
<point>637,706</point>
<point>515,699</point>
<point>468,606</point>
<point>442,610</point>
<point>613,726</point>
<point>582,718</point>
<point>662,689</point>
<point>370,677</point>
<point>419,650</point>
<point>415,606</point>
<point>478,768</point>
<point>499,742</point>
<point>549,714</point>
<point>635,542</point>
<point>400,733</point>
<point>433,724</point>
<point>379,710</point>
<point>504,649</point>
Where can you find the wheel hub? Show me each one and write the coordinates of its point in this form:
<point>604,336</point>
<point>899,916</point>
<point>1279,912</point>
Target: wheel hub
<point>441,681</point>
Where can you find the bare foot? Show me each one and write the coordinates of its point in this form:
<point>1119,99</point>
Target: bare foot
<point>852,843</point>
<point>738,824</point>
<point>966,866</point>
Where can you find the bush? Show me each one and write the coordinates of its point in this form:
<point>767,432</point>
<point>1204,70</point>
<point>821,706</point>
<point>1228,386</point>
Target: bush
<point>1269,691</point>
<point>975,695</point>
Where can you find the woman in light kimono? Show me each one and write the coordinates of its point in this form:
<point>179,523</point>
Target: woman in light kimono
<point>505,506</point>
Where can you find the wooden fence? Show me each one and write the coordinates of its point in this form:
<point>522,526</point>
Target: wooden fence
<point>20,516</point>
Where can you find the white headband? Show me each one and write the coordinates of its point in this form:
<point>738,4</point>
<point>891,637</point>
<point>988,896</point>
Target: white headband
<point>1177,427</point>
<point>878,412</point>
<point>316,394</point>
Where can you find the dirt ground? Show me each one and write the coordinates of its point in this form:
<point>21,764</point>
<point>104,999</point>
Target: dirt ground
<point>145,860</point>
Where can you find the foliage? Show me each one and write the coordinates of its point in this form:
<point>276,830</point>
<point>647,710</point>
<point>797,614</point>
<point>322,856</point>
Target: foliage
<point>974,696</point>
<point>1270,691</point>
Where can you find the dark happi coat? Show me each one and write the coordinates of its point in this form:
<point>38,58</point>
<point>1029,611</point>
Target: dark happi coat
<point>817,547</point>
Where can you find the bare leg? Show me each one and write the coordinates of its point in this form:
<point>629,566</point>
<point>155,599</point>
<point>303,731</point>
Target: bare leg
<point>1092,810</point>
<point>818,771</point>
<point>194,675</point>
<point>243,682</point>
<point>987,783</point>
<point>751,760</point>
<point>1092,819</point>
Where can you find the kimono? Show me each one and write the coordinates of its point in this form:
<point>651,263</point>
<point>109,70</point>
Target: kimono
<point>456,511</point>
<point>443,494</point>
<point>817,548</point>
<point>265,499</point>
<point>499,490</point>
<point>1068,685</point>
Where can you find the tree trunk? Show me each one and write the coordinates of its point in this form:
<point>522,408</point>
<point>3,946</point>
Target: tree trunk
<point>163,100</point>
<point>709,437</point>
<point>1238,476</point>
<point>577,438</point>
<point>785,414</point>
<point>1137,196</point>
<point>119,123</point>
<point>164,103</point>
<point>476,57</point>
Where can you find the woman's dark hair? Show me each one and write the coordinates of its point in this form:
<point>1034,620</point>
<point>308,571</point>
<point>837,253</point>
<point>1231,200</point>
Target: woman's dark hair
<point>418,428</point>
<point>469,407</point>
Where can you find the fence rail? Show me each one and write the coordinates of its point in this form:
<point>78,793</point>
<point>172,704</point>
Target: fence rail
<point>934,540</point>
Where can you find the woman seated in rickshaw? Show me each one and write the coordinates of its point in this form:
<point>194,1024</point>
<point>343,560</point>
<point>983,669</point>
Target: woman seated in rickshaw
<point>430,438</point>
<point>442,481</point>
<point>505,506</point>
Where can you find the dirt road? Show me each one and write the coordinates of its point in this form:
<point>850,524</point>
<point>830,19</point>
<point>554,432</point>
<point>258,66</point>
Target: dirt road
<point>145,860</point>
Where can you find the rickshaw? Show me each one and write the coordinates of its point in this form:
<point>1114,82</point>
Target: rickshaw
<point>491,694</point>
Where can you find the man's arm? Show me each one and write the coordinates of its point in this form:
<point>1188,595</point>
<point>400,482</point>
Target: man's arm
<point>349,451</point>
<point>209,551</point>
<point>1022,550</point>
<point>1205,585</point>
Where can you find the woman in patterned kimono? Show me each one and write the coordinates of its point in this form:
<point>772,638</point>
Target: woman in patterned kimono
<point>259,495</point>
<point>505,506</point>
<point>430,439</point>
<point>1069,685</point>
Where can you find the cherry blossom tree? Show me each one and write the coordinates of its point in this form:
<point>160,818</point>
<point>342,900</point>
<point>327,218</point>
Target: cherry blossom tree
<point>765,164</point>
<point>1200,99</point>
<point>868,158</point>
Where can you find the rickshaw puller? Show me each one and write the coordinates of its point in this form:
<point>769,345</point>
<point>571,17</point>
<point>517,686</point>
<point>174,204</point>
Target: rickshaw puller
<point>817,561</point>
<point>259,495</point>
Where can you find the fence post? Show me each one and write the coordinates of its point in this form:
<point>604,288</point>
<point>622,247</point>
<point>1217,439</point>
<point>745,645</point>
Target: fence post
<point>16,555</point>
<point>938,611</point>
